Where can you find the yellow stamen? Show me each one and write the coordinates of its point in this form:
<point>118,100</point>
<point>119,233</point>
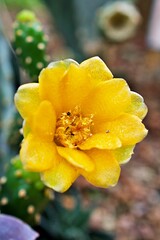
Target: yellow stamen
<point>72,128</point>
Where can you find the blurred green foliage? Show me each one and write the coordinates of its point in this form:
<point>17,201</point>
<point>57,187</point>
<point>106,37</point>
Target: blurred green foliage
<point>7,89</point>
<point>65,218</point>
<point>64,17</point>
<point>22,4</point>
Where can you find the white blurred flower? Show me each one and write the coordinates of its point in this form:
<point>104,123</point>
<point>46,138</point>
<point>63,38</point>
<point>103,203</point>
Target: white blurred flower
<point>119,20</point>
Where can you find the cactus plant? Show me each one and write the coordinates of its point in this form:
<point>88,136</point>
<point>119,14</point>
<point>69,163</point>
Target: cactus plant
<point>30,43</point>
<point>15,136</point>
<point>65,218</point>
<point>64,17</point>
<point>22,194</point>
<point>7,90</point>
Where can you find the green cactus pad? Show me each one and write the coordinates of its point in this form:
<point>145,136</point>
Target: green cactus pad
<point>15,136</point>
<point>30,43</point>
<point>22,193</point>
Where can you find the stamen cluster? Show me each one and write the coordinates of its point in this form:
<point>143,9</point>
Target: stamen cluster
<point>72,128</point>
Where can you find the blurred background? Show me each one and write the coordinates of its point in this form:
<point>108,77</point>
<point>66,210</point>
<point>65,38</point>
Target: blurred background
<point>126,35</point>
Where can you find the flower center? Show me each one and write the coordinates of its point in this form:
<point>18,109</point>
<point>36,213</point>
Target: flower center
<point>72,128</point>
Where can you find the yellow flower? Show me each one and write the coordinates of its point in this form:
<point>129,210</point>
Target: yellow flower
<point>79,120</point>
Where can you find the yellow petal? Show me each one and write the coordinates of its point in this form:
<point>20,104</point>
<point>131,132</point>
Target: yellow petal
<point>123,154</point>
<point>66,83</point>
<point>61,177</point>
<point>101,141</point>
<point>38,155</point>
<point>27,99</point>
<point>77,158</point>
<point>107,169</point>
<point>96,69</point>
<point>79,80</point>
<point>108,100</point>
<point>137,106</point>
<point>44,121</point>
<point>128,128</point>
<point>49,80</point>
<point>74,87</point>
<point>26,128</point>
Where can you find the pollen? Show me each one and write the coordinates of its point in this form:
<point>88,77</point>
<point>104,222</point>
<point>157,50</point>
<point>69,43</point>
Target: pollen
<point>72,128</point>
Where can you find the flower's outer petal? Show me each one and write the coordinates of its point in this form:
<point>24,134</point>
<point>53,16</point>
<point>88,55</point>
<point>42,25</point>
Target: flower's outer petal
<point>108,100</point>
<point>26,128</point>
<point>27,99</point>
<point>101,141</point>
<point>79,80</point>
<point>44,121</point>
<point>77,158</point>
<point>61,177</point>
<point>107,169</point>
<point>129,129</point>
<point>38,155</point>
<point>49,80</point>
<point>123,154</point>
<point>137,106</point>
<point>96,69</point>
